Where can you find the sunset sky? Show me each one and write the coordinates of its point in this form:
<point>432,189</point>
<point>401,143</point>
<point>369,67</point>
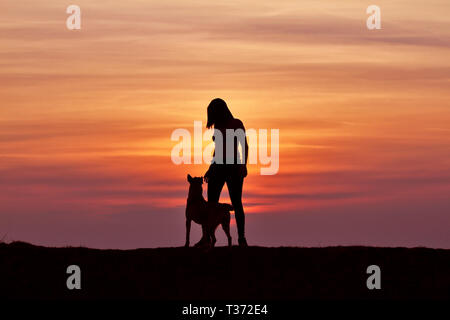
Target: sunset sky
<point>86,118</point>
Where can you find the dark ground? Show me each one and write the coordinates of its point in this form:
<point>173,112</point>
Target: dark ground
<point>234,274</point>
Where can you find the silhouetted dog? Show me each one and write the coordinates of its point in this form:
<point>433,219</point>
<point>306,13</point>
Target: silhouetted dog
<point>208,215</point>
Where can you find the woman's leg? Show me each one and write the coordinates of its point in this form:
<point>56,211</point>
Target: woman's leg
<point>215,186</point>
<point>235,183</point>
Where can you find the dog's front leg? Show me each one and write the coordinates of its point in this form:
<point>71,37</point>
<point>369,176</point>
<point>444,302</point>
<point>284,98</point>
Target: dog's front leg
<point>205,235</point>
<point>204,239</point>
<point>188,231</point>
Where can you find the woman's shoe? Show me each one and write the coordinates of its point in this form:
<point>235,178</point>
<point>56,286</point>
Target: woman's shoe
<point>242,242</point>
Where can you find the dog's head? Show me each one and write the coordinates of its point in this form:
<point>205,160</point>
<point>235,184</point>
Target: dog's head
<point>195,185</point>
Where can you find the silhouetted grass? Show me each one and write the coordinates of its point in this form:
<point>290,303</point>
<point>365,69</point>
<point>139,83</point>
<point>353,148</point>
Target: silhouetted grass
<point>254,273</point>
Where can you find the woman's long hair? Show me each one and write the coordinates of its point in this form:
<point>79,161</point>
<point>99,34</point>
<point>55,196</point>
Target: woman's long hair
<point>218,114</point>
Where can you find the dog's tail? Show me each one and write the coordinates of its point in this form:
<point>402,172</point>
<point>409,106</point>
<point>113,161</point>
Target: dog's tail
<point>228,207</point>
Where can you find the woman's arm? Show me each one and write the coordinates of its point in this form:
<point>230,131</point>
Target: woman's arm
<point>246,149</point>
<point>212,166</point>
<point>240,125</point>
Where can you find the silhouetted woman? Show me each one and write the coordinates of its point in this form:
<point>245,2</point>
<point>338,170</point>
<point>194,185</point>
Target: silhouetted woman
<point>233,168</point>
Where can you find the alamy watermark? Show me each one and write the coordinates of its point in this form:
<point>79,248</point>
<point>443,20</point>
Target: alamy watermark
<point>74,280</point>
<point>73,22</point>
<point>374,20</point>
<point>234,141</point>
<point>374,281</point>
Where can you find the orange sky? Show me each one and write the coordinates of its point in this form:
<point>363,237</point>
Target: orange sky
<point>86,118</point>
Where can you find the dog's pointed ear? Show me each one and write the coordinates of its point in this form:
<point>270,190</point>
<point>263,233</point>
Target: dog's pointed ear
<point>189,178</point>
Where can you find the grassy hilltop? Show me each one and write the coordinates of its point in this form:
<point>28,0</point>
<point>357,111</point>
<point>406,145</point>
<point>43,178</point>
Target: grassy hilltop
<point>253,273</point>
